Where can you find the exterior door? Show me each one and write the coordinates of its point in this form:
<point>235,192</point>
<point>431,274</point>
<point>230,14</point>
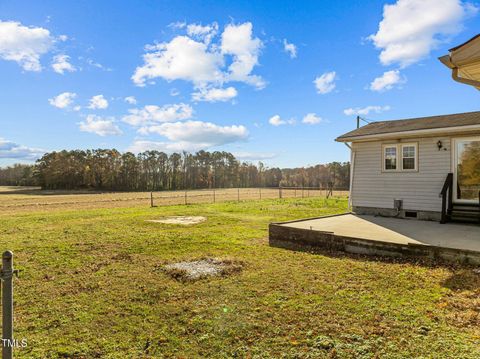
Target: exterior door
<point>466,169</point>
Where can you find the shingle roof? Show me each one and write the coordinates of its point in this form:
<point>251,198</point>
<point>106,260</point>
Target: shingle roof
<point>463,44</point>
<point>413,124</point>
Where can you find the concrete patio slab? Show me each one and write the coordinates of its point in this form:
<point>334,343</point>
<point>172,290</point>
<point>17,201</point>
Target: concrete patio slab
<point>381,236</point>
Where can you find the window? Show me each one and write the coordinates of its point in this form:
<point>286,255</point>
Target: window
<point>400,157</point>
<point>390,158</point>
<point>408,157</point>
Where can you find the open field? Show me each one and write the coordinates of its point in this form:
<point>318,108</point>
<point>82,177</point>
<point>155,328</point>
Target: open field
<point>92,286</point>
<point>32,198</point>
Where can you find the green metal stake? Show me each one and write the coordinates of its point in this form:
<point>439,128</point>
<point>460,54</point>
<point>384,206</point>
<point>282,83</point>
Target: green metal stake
<point>7,305</point>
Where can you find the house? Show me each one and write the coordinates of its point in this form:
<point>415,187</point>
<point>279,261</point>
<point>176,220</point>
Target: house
<point>425,168</point>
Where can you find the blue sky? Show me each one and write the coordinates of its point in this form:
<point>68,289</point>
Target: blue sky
<point>273,80</point>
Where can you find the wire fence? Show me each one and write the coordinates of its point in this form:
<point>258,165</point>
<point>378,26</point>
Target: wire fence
<point>241,194</point>
<point>38,200</point>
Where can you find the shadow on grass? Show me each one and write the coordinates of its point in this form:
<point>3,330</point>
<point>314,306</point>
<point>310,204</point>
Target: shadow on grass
<point>463,279</point>
<point>463,275</point>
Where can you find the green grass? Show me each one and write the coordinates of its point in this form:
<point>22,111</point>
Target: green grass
<point>92,286</point>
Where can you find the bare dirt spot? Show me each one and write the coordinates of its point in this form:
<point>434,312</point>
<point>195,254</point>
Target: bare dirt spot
<point>203,268</point>
<point>183,220</point>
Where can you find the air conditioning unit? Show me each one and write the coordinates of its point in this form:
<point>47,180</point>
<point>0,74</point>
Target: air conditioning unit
<point>398,204</point>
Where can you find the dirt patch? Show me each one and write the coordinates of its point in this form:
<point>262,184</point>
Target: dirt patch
<point>202,268</point>
<point>183,220</point>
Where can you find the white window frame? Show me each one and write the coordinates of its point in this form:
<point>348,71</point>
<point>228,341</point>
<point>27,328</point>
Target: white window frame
<point>415,162</point>
<point>384,148</point>
<point>399,148</point>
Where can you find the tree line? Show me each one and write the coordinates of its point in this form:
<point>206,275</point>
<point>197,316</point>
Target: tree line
<point>108,169</point>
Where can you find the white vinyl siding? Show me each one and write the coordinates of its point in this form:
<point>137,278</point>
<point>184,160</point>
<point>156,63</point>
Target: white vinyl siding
<point>419,189</point>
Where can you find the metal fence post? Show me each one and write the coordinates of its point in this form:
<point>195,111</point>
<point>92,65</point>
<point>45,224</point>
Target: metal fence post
<point>7,305</point>
<point>151,199</point>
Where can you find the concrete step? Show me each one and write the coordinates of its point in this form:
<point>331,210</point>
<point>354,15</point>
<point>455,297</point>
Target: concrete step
<point>463,206</point>
<point>465,216</point>
<point>465,213</point>
<point>466,205</point>
<point>465,220</point>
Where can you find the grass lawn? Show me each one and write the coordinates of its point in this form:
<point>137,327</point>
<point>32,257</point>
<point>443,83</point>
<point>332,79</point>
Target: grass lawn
<point>92,286</point>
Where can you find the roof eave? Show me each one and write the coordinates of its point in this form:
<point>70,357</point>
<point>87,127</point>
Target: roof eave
<point>446,61</point>
<point>406,134</point>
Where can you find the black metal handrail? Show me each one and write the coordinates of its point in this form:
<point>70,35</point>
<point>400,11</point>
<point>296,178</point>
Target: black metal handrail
<point>447,198</point>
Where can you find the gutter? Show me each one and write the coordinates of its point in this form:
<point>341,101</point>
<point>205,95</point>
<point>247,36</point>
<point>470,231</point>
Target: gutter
<point>412,133</point>
<point>447,61</point>
<point>463,80</point>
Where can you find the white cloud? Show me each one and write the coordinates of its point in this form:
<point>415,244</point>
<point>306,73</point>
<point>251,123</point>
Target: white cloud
<point>311,119</point>
<point>215,94</point>
<point>130,100</point>
<point>152,114</point>
<point>254,156</point>
<point>365,110</point>
<point>60,64</point>
<point>12,150</point>
<point>237,40</point>
<point>387,81</point>
<point>325,83</point>
<point>64,100</point>
<point>180,59</point>
<point>143,145</point>
<point>189,136</point>
<point>278,121</point>
<point>174,92</point>
<point>411,29</point>
<point>203,33</point>
<point>98,65</point>
<point>196,58</point>
<point>177,25</point>
<point>289,48</point>
<point>24,45</point>
<point>169,147</point>
<point>205,134</point>
<point>99,126</point>
<point>98,102</point>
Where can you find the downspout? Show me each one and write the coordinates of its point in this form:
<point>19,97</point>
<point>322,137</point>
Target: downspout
<point>352,167</point>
